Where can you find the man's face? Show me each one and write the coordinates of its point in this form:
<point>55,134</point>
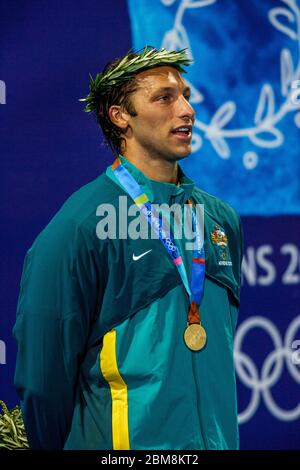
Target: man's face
<point>163,125</point>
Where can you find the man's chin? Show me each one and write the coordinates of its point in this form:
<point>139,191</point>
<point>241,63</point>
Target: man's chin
<point>178,153</point>
<point>185,152</point>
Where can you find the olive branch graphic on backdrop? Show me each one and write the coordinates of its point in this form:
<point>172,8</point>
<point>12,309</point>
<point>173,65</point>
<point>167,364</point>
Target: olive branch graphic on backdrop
<point>264,133</point>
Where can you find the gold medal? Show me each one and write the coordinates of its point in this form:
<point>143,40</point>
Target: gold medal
<point>195,337</point>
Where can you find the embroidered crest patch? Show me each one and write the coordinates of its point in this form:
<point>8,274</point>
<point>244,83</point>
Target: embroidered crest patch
<point>219,238</point>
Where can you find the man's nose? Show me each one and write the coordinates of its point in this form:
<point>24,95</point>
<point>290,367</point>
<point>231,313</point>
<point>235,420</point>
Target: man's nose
<point>185,109</point>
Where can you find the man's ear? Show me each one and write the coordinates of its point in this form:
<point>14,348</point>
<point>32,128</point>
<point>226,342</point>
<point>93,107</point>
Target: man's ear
<point>118,116</point>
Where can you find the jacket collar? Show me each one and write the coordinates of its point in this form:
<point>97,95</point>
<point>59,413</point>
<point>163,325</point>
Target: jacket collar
<point>158,192</point>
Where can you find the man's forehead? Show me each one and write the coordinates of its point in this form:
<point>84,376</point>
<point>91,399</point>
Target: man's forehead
<point>163,76</point>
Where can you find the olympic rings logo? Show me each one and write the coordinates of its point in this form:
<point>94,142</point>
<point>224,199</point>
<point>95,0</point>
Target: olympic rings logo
<point>170,244</point>
<point>271,370</point>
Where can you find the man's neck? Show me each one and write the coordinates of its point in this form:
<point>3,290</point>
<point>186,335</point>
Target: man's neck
<point>158,170</point>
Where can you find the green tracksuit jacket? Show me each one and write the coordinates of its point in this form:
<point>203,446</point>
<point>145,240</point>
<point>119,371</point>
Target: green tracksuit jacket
<point>101,360</point>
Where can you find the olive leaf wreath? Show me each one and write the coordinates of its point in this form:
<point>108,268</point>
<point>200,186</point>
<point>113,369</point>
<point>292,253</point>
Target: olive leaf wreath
<point>125,70</point>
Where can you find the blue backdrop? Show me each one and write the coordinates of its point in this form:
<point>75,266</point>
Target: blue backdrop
<point>245,150</point>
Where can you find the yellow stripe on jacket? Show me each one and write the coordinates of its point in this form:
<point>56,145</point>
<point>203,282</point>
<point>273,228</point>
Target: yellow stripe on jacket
<point>119,393</point>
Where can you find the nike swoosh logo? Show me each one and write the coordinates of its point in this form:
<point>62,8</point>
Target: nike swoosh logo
<point>135,258</point>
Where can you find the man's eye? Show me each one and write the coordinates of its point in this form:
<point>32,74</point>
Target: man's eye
<point>187,97</point>
<point>163,98</point>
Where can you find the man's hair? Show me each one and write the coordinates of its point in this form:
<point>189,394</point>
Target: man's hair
<point>115,84</point>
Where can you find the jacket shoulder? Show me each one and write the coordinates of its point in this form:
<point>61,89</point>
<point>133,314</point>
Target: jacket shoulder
<point>99,191</point>
<point>78,213</point>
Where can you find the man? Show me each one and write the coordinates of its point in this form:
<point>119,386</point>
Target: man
<point>126,342</point>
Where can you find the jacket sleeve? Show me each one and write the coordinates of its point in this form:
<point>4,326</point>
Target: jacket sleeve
<point>59,293</point>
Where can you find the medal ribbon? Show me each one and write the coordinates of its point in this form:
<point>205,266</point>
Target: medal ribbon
<point>195,289</point>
